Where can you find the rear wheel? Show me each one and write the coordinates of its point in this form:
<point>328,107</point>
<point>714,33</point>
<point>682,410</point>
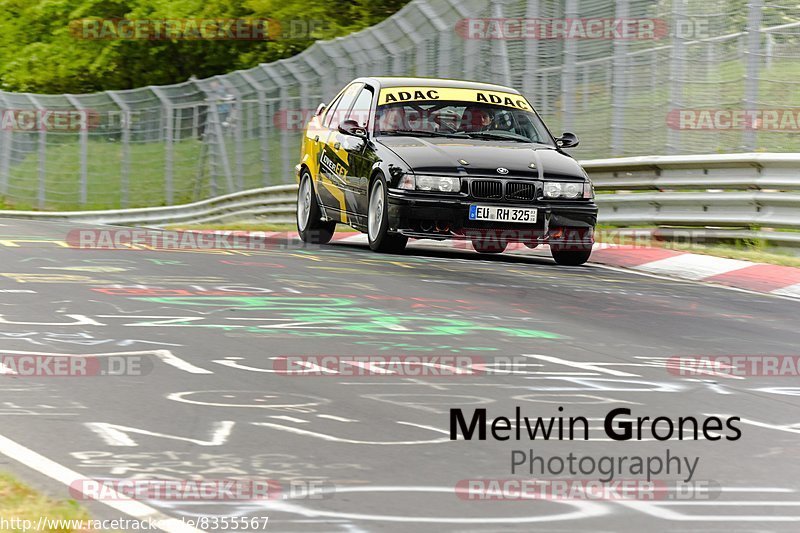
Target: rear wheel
<point>489,246</point>
<point>380,240</point>
<point>571,256</point>
<point>310,225</point>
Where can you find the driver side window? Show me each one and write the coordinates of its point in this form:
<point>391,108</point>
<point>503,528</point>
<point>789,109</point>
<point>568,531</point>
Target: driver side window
<point>336,114</point>
<point>361,107</point>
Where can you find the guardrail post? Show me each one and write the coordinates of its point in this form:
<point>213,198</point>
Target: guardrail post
<point>752,68</point>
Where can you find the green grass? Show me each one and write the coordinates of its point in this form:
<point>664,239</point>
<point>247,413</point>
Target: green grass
<point>146,175</point>
<point>18,501</point>
<point>250,227</point>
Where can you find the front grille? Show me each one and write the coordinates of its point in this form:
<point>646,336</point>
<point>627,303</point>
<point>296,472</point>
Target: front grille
<point>520,191</point>
<point>487,189</point>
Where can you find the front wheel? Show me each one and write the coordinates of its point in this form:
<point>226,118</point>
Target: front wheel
<point>310,225</point>
<point>380,240</point>
<point>571,257</point>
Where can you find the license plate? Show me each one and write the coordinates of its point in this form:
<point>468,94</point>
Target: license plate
<point>518,215</point>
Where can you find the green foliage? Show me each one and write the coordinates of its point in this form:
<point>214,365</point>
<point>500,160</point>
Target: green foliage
<point>40,53</point>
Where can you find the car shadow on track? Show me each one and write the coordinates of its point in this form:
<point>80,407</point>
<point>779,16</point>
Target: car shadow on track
<point>422,249</point>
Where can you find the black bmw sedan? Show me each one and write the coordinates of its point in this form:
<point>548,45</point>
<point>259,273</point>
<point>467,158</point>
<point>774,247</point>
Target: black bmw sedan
<point>400,158</point>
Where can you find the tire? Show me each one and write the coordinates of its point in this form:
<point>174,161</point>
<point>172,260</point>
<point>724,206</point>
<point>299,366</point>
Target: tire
<point>489,246</point>
<point>570,257</point>
<point>310,226</point>
<point>380,240</point>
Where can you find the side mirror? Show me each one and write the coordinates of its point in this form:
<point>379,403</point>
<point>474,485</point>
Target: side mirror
<point>320,109</point>
<point>351,127</point>
<point>567,140</point>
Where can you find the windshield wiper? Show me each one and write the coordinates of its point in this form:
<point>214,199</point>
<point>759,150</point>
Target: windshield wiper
<point>422,133</point>
<point>500,136</point>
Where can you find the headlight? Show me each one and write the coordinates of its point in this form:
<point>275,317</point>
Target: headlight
<point>563,189</point>
<point>431,183</point>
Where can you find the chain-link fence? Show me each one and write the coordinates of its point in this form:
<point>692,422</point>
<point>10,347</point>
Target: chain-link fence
<point>630,77</point>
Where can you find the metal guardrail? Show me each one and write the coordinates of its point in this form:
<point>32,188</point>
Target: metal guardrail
<point>702,197</point>
<point>779,171</point>
<point>271,204</point>
<point>713,197</point>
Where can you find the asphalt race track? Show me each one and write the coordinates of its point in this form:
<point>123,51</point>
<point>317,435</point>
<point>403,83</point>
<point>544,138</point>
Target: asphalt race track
<point>210,327</point>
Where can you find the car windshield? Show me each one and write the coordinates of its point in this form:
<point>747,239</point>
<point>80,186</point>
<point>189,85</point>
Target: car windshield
<point>461,119</point>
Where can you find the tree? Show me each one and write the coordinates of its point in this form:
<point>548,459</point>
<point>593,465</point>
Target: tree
<point>44,49</point>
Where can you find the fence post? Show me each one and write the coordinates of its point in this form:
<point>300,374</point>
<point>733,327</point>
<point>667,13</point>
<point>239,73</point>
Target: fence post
<point>618,85</point>
<point>531,74</point>
<point>499,66</point>
<point>5,156</point>
<point>262,124</point>
<point>41,193</point>
<point>84,135</point>
<point>676,73</point>
<point>568,72</point>
<point>166,107</point>
<point>125,163</point>
<point>286,156</point>
<point>443,41</point>
<point>752,67</point>
<point>420,47</point>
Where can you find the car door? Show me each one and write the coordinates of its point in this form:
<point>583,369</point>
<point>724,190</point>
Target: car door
<point>334,163</point>
<point>360,154</point>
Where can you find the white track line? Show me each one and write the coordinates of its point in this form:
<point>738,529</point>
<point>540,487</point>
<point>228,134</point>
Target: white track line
<point>791,290</point>
<point>72,479</point>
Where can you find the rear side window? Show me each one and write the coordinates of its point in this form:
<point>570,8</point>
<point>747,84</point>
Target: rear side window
<point>344,104</point>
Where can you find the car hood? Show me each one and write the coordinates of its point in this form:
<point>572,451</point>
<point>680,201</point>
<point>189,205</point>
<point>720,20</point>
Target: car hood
<point>446,155</point>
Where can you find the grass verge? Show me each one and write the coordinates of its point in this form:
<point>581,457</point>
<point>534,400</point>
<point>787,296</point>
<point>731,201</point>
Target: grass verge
<point>18,501</point>
<point>340,228</point>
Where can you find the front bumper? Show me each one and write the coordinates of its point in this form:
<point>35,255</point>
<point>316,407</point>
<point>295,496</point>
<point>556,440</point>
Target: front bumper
<point>422,217</point>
